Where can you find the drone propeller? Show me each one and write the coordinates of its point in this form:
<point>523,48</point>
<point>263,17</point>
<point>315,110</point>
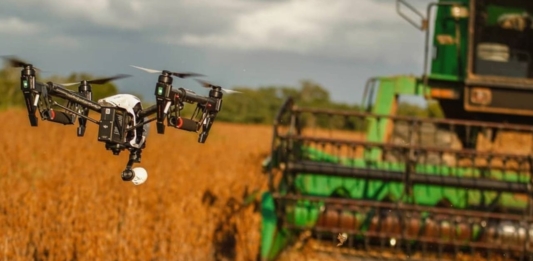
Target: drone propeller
<point>99,81</point>
<point>16,62</point>
<point>209,85</point>
<point>177,74</point>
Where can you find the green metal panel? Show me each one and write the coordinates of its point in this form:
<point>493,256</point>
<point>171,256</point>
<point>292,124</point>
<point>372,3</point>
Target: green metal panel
<point>388,90</point>
<point>318,185</point>
<point>447,60</point>
<point>272,239</point>
<point>306,214</point>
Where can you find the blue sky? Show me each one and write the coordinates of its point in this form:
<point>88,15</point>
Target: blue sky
<point>336,43</point>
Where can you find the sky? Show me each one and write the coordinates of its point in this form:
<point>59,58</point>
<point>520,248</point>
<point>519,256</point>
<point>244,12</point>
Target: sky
<point>338,44</point>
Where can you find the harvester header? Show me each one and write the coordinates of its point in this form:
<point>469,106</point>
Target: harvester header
<point>394,187</point>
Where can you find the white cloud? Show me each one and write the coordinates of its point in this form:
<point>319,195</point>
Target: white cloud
<point>64,41</point>
<point>101,12</point>
<point>366,30</point>
<point>115,14</point>
<point>226,5</point>
<point>362,28</point>
<point>16,26</point>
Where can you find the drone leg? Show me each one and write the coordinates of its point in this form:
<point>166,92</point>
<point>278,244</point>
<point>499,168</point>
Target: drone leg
<point>206,128</point>
<point>33,119</point>
<point>82,123</point>
<point>30,105</point>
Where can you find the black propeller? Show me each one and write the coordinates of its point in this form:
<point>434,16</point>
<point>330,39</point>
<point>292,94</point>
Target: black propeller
<point>99,81</point>
<point>212,86</point>
<point>177,74</point>
<point>13,61</point>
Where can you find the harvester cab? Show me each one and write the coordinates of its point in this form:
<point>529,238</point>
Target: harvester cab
<point>480,59</point>
<point>397,187</point>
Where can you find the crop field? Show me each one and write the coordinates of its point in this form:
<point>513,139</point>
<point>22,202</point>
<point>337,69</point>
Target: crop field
<point>62,197</point>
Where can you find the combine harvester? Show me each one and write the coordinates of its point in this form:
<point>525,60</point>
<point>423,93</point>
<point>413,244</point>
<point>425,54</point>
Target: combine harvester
<point>410,188</point>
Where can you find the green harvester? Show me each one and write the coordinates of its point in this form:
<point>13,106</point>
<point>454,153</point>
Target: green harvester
<point>418,188</point>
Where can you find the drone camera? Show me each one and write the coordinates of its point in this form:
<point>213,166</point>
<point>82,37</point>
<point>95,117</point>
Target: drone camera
<point>112,125</point>
<point>136,175</point>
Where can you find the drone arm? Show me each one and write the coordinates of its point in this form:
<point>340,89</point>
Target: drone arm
<point>179,94</point>
<point>190,97</point>
<point>148,111</point>
<point>177,97</point>
<point>61,92</point>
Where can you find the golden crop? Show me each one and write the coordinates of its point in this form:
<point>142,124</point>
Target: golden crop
<point>62,197</point>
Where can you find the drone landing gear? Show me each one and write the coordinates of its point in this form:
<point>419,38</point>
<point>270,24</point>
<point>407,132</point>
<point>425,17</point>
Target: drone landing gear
<point>136,175</point>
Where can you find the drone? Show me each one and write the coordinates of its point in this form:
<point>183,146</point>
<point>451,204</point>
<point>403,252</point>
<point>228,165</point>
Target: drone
<point>123,123</point>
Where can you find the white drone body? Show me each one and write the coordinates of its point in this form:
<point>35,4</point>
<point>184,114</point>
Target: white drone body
<point>128,102</point>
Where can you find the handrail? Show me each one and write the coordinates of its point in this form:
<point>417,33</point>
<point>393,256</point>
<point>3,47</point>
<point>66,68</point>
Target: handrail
<point>426,39</point>
<point>368,93</point>
<point>424,23</point>
<point>423,27</point>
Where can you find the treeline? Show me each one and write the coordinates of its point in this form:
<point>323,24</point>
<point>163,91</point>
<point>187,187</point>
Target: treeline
<point>252,106</point>
<point>260,106</point>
